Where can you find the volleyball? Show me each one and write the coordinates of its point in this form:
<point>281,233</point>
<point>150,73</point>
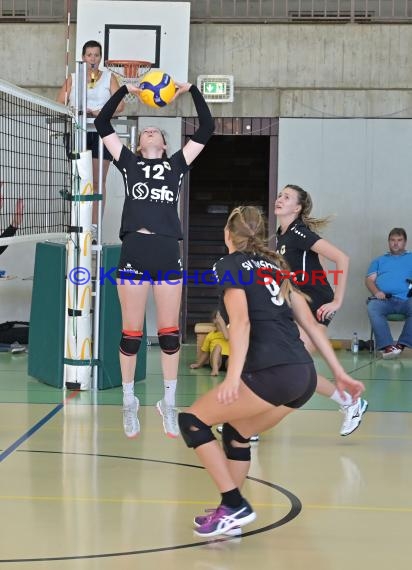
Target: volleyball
<point>158,89</point>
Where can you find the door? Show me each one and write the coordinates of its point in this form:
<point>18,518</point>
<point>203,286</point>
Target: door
<point>237,167</point>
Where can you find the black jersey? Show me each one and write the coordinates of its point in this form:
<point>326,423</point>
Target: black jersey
<point>295,246</point>
<point>274,337</point>
<point>152,188</point>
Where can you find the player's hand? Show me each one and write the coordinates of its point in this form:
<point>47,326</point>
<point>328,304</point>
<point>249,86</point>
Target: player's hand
<point>345,382</point>
<point>181,88</point>
<point>228,390</point>
<point>327,311</point>
<point>134,89</point>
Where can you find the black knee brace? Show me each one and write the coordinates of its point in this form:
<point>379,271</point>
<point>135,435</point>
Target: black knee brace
<point>229,434</point>
<point>169,339</point>
<point>194,431</point>
<point>130,342</point>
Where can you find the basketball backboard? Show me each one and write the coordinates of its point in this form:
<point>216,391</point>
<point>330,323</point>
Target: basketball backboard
<point>152,31</point>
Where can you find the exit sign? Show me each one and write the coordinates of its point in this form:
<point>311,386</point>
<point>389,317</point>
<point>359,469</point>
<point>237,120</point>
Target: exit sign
<point>216,88</point>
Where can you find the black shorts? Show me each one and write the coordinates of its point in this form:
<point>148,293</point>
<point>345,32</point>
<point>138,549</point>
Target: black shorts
<point>223,364</point>
<point>149,257</point>
<point>93,145</point>
<point>290,385</point>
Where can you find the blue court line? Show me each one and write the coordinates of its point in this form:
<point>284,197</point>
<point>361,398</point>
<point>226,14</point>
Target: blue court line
<point>35,428</point>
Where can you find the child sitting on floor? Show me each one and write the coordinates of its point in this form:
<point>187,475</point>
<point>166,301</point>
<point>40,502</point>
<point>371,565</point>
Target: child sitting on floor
<point>215,347</point>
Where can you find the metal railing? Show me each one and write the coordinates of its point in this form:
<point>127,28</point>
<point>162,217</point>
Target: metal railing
<point>236,11</point>
<point>301,10</point>
<point>37,10</point>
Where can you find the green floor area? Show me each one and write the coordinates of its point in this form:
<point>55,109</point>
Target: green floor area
<point>388,383</point>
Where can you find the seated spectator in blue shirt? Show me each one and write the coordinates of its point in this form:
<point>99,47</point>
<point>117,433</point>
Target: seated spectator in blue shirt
<point>389,280</point>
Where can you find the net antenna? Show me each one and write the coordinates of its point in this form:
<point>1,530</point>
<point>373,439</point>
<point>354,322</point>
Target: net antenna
<point>128,71</point>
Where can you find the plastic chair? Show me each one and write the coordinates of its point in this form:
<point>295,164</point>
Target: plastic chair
<point>392,318</point>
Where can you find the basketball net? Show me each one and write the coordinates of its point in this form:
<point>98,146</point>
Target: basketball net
<point>128,71</point>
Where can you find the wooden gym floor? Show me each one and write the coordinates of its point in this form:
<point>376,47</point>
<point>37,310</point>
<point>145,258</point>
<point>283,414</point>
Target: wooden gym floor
<point>77,495</point>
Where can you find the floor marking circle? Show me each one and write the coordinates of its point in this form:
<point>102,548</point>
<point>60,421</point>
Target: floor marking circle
<point>296,507</point>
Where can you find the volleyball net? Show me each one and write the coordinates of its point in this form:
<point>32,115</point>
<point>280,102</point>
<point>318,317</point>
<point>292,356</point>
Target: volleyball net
<point>35,170</point>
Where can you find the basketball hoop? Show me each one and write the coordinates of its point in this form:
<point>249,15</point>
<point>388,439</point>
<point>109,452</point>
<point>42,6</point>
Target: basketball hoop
<point>128,71</point>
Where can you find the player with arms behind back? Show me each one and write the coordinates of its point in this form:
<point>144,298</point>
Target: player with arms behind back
<point>270,373</point>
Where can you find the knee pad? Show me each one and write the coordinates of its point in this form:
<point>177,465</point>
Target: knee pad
<point>194,431</point>
<point>169,340</point>
<point>130,342</point>
<point>229,434</point>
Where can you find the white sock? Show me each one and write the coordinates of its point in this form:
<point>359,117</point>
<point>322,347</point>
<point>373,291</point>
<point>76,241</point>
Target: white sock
<point>170,392</point>
<point>128,392</point>
<point>346,400</point>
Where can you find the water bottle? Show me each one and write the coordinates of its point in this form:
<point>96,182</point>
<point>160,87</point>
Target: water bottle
<point>354,347</point>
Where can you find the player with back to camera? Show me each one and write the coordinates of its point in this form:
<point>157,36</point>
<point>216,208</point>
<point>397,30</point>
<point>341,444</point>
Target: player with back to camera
<point>150,255</point>
<point>211,343</point>
<point>101,85</point>
<point>301,247</point>
<point>270,373</point>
